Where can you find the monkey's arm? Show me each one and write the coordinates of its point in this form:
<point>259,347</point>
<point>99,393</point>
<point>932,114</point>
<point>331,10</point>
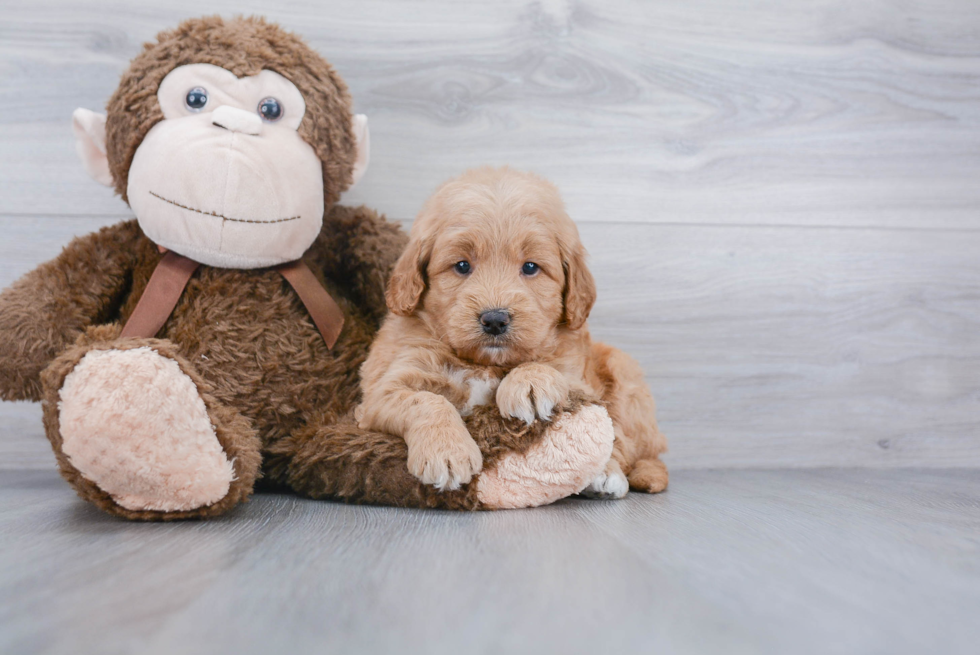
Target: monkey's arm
<point>44,311</point>
<point>358,248</point>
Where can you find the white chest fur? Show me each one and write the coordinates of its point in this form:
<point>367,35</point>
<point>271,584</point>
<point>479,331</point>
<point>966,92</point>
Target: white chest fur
<point>479,385</point>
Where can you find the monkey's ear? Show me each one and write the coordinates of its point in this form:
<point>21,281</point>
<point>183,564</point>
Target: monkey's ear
<point>363,140</point>
<point>89,130</point>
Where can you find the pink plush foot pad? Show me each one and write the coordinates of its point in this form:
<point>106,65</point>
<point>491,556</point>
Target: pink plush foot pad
<point>134,424</point>
<point>569,456</point>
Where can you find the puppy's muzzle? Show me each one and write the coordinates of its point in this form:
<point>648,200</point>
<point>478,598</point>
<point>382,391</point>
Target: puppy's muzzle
<point>495,321</point>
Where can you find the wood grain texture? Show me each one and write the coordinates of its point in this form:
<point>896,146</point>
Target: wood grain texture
<point>799,347</point>
<point>780,346</point>
<point>725,562</point>
<point>813,113</point>
<point>781,202</point>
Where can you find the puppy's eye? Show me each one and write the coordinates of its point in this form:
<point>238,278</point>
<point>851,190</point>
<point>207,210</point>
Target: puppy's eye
<point>196,98</point>
<point>530,268</point>
<point>270,109</point>
<point>462,267</point>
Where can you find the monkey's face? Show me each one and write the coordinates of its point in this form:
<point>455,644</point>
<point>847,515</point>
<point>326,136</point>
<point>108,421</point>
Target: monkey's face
<point>225,178</point>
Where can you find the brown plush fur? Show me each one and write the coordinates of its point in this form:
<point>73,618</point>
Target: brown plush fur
<point>45,311</point>
<point>433,349</point>
<point>338,459</point>
<point>243,336</point>
<point>244,46</point>
<point>276,395</point>
<point>273,391</point>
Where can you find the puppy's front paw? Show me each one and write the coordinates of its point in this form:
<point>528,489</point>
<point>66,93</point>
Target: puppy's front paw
<point>531,390</point>
<point>444,456</point>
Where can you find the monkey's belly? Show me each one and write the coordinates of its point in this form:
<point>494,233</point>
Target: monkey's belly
<point>253,340</point>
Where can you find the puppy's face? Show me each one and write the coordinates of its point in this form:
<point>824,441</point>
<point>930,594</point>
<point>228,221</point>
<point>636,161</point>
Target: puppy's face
<point>495,288</point>
<point>495,268</point>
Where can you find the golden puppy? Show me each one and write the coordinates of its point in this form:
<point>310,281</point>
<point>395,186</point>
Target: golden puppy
<point>489,302</point>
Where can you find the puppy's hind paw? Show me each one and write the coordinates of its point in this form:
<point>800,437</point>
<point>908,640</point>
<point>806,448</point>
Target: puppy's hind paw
<point>608,485</point>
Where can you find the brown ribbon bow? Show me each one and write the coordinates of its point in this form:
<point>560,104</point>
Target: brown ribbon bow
<point>174,271</point>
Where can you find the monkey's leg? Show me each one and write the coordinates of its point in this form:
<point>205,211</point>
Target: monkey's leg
<point>137,433</point>
<point>333,458</point>
<point>565,454</point>
<point>524,466</point>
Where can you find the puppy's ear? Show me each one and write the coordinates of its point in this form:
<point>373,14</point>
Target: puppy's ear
<point>579,295</point>
<point>407,281</point>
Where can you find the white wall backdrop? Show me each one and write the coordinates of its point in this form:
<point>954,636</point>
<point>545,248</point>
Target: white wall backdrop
<point>781,200</point>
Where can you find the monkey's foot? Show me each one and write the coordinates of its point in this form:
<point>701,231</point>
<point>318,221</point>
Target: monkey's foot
<point>132,422</point>
<point>570,454</point>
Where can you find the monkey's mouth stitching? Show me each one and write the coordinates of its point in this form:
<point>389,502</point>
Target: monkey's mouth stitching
<point>216,215</point>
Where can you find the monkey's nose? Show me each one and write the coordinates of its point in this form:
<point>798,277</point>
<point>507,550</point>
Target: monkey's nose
<point>495,321</point>
<point>237,120</point>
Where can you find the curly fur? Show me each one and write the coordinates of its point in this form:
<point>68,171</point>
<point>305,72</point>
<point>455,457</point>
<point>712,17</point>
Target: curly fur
<point>337,459</point>
<point>242,336</point>
<point>433,347</point>
<point>243,46</point>
<point>45,311</point>
<point>279,400</point>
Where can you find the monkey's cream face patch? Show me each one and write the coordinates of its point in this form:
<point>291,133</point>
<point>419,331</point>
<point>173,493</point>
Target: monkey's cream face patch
<point>221,183</point>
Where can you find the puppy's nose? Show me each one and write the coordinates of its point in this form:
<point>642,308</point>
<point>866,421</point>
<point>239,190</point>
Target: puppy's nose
<point>495,321</point>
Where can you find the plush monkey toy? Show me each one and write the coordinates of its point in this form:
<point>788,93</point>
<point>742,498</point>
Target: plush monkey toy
<point>216,338</point>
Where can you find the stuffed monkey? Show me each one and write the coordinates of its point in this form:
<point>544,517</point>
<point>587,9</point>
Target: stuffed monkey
<point>216,339</point>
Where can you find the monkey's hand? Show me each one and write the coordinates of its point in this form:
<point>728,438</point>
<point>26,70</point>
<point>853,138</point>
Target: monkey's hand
<point>43,312</point>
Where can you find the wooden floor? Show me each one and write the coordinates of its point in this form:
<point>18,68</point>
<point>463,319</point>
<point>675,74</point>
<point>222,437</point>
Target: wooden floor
<point>821,561</point>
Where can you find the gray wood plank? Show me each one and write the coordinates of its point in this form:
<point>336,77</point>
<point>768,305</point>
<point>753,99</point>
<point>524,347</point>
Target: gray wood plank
<point>23,445</point>
<point>30,240</point>
<point>797,346</point>
<point>764,346</point>
<point>827,561</point>
<point>820,113</point>
<point>725,561</point>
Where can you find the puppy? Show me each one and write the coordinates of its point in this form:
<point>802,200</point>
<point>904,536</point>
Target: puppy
<point>489,303</point>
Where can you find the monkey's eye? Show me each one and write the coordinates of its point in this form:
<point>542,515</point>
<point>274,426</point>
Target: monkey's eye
<point>270,109</point>
<point>530,268</point>
<point>196,98</point>
<point>462,267</point>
